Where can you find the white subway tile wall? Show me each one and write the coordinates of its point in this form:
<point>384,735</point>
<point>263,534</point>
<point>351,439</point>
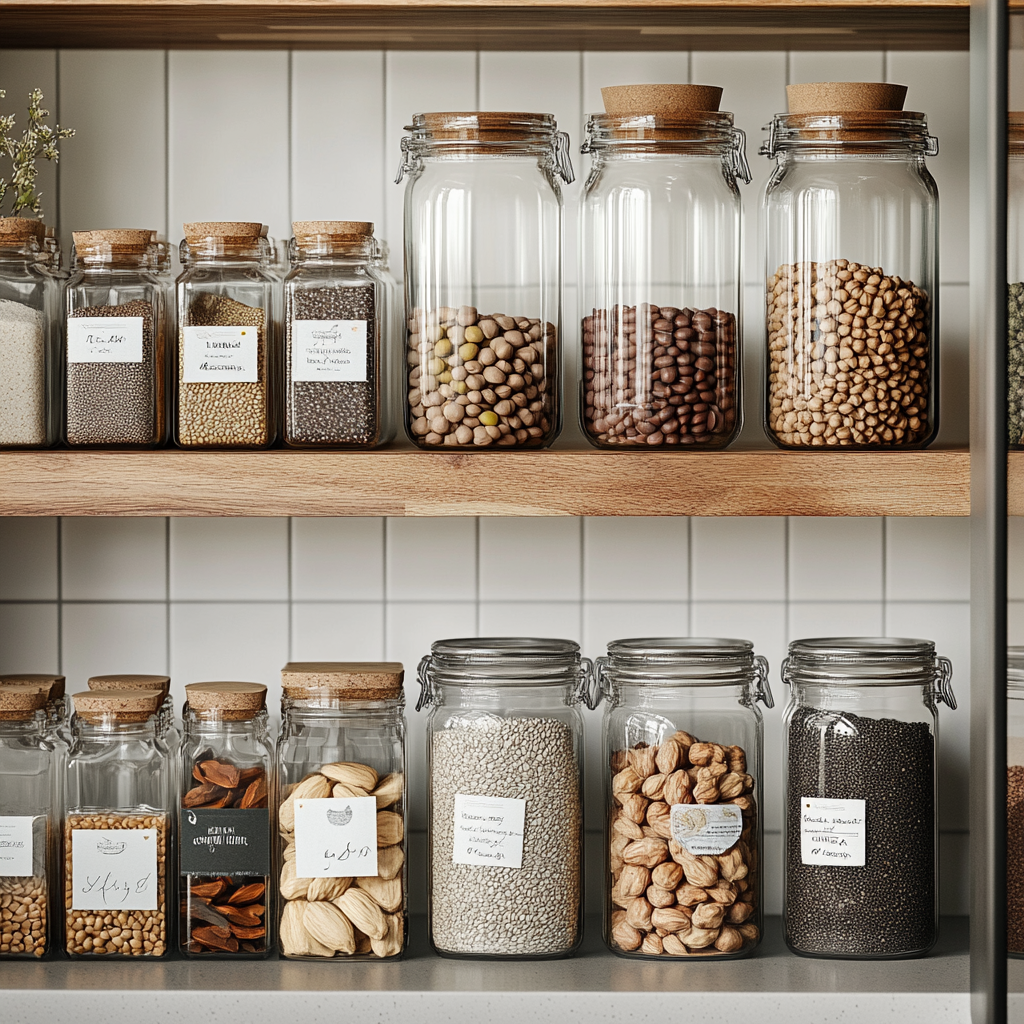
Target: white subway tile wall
<point>276,135</point>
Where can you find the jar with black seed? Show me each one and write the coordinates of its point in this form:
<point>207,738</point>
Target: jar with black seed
<point>861,735</point>
<point>337,298</point>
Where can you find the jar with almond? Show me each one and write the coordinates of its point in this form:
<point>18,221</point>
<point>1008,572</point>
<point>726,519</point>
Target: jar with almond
<point>341,802</point>
<point>683,737</point>
<point>224,835</point>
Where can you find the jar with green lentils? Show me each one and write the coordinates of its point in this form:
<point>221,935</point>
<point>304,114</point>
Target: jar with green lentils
<point>226,360</point>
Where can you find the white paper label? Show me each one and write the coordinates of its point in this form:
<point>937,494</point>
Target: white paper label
<point>329,350</point>
<point>105,339</point>
<point>832,832</point>
<point>489,830</point>
<point>220,355</point>
<point>16,845</point>
<point>706,828</point>
<point>336,837</point>
<point>114,869</point>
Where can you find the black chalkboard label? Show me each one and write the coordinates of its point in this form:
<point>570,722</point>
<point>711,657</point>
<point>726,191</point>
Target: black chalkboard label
<point>225,841</point>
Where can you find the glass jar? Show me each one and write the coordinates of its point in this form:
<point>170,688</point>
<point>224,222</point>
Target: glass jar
<point>32,763</point>
<point>337,324</point>
<point>341,799</point>
<point>661,273</point>
<point>861,734</point>
<point>483,281</point>
<point>851,235</point>
<point>53,686</point>
<point>1015,801</point>
<point>682,743</point>
<point>167,726</point>
<point>116,826</point>
<point>227,358</point>
<point>29,345</point>
<point>505,775</point>
<point>1015,279</point>
<point>116,303</point>
<point>224,837</point>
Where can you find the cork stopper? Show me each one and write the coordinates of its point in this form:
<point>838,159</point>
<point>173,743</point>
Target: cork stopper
<point>52,685</point>
<point>311,229</point>
<point>21,229</point>
<point>237,232</point>
<point>662,100</point>
<point>844,97</point>
<point>122,705</point>
<point>347,680</point>
<point>485,125</point>
<point>20,703</point>
<point>114,240</point>
<point>233,701</point>
<point>131,682</point>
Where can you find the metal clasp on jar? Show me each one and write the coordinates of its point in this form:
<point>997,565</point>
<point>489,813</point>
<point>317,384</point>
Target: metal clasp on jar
<point>425,678</point>
<point>738,163</point>
<point>762,688</point>
<point>768,146</point>
<point>408,162</point>
<point>588,687</point>
<point>943,691</point>
<point>562,159</point>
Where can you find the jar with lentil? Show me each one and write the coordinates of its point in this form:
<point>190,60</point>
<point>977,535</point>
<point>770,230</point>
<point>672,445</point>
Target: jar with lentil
<point>117,306</point>
<point>341,805</point>
<point>224,835</point>
<point>661,270</point>
<point>483,282</point>
<point>861,734</point>
<point>227,359</point>
<point>1015,802</point>
<point>116,827</point>
<point>505,774</point>
<point>29,334</point>
<point>337,323</point>
<point>851,235</point>
<point>682,742</point>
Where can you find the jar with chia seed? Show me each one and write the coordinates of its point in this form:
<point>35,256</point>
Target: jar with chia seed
<point>1015,801</point>
<point>117,305</point>
<point>226,362</point>
<point>341,811</point>
<point>861,732</point>
<point>29,335</point>
<point>483,281</point>
<point>337,325</point>
<point>682,742</point>
<point>505,777</point>
<point>1015,278</point>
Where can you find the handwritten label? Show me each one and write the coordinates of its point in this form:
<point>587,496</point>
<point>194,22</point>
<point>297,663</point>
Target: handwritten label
<point>336,837</point>
<point>105,339</point>
<point>114,869</point>
<point>706,828</point>
<point>832,832</point>
<point>489,830</point>
<point>16,845</point>
<point>225,841</point>
<point>329,350</point>
<point>220,355</point>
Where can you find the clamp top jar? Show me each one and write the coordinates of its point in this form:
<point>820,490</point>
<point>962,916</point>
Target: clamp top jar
<point>483,291</point>
<point>851,230</point>
<point>661,269</point>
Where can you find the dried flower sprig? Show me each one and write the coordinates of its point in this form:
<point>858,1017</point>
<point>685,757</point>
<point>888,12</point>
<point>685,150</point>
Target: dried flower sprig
<point>38,140</point>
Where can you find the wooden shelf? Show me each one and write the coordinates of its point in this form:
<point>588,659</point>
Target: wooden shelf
<point>490,24</point>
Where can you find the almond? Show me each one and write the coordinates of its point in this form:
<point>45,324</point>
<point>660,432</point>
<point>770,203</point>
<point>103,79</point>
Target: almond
<point>739,912</point>
<point>668,875</point>
<point>390,789</point>
<point>625,936</point>
<point>677,789</point>
<point>363,911</point>
<point>326,888</point>
<point>291,886</point>
<point>349,773</point>
<point>653,787</point>
<point>638,914</point>
<point>659,817</point>
<point>641,760</point>
<point>658,897</point>
<point>634,880</point>
<point>391,944</point>
<point>387,893</point>
<point>634,807</point>
<point>389,861</point>
<point>672,919</point>
<point>653,945</point>
<point>729,940</point>
<point>390,828</point>
<point>647,852</point>
<point>625,782</point>
<point>670,755</point>
<point>341,791</point>
<point>674,946</point>
<point>312,787</point>
<point>698,938</point>
<point>330,927</point>
<point>708,915</point>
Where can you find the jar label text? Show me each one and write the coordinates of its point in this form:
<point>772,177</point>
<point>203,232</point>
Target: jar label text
<point>706,828</point>
<point>16,845</point>
<point>105,339</point>
<point>220,355</point>
<point>833,832</point>
<point>114,869</point>
<point>489,830</point>
<point>329,350</point>
<point>336,837</point>
<point>225,841</point>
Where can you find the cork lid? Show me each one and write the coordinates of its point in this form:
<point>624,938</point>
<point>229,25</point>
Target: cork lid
<point>234,701</point>
<point>844,97</point>
<point>484,126</point>
<point>347,680</point>
<point>122,705</point>
<point>666,100</point>
<point>52,685</point>
<point>331,228</point>
<point>130,681</point>
<point>21,229</point>
<point>20,703</point>
<point>114,240</point>
<point>226,230</point>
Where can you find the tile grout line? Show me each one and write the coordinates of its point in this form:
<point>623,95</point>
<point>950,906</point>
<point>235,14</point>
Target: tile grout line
<point>291,214</point>
<point>384,581</point>
<point>689,576</point>
<point>167,591</point>
<point>56,170</point>
<point>60,594</point>
<point>885,577</point>
<point>167,153</point>
<point>291,590</point>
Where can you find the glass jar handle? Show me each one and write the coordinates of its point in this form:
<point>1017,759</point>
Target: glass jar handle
<point>944,684</point>
<point>426,681</point>
<point>562,160</point>
<point>587,689</point>
<point>740,167</point>
<point>762,688</point>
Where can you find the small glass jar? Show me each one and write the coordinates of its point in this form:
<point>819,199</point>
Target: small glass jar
<point>861,850</point>
<point>682,743</point>
<point>851,235</point>
<point>1015,801</point>
<point>32,765</point>
<point>505,775</point>
<point>483,283</point>
<point>1015,280</point>
<point>227,359</point>
<point>116,305</point>
<point>29,346</point>
<point>341,799</point>
<point>661,271</point>
<point>117,819</point>
<point>224,835</point>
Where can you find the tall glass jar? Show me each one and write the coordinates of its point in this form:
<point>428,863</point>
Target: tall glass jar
<point>224,836</point>
<point>661,273</point>
<point>505,771</point>
<point>682,743</point>
<point>1015,278</point>
<point>341,799</point>
<point>337,306</point>
<point>861,732</point>
<point>116,304</point>
<point>483,281</point>
<point>1015,801</point>
<point>116,827</point>
<point>32,765</point>
<point>29,337</point>
<point>851,235</point>
<point>227,359</point>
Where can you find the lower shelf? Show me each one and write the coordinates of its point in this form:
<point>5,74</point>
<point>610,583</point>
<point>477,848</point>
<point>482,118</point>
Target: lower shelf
<point>773,987</point>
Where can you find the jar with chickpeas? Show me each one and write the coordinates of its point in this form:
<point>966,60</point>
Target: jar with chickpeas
<point>851,235</point>
<point>483,287</point>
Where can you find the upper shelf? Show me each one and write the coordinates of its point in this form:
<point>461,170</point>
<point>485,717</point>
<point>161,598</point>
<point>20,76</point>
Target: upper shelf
<point>489,24</point>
